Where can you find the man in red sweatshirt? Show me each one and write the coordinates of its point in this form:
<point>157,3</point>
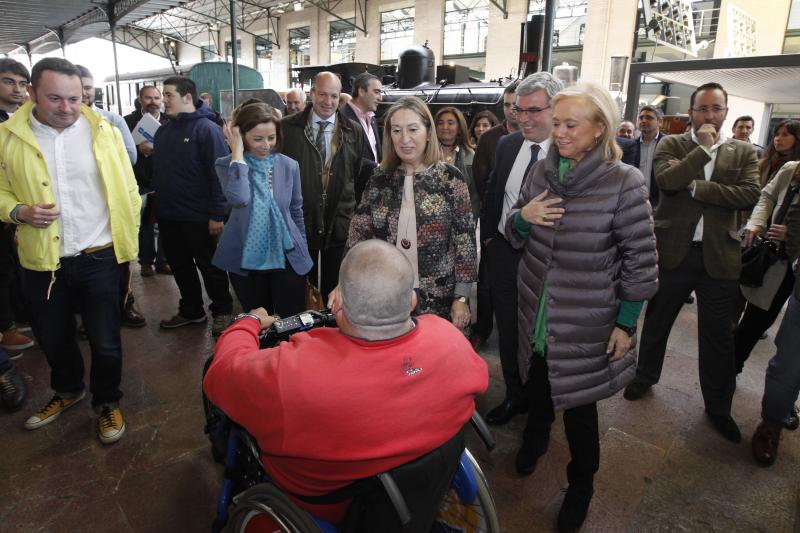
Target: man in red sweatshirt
<point>331,406</point>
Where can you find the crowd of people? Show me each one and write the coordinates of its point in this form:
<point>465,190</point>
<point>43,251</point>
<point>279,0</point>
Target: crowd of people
<point>583,225</point>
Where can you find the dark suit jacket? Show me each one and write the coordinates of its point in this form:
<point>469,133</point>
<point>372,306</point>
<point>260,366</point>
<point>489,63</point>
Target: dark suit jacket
<point>143,169</point>
<point>369,162</point>
<point>632,155</point>
<point>733,186</point>
<point>483,162</point>
<point>507,150</point>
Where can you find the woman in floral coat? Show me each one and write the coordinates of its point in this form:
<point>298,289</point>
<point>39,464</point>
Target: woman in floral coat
<point>423,207</point>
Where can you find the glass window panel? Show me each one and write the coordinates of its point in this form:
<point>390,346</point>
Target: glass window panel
<point>397,32</point>
<point>343,41</point>
<point>466,25</point>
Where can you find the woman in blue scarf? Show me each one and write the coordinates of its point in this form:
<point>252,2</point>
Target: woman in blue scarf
<point>263,246</point>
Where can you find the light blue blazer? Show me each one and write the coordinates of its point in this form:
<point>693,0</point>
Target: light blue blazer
<point>236,186</point>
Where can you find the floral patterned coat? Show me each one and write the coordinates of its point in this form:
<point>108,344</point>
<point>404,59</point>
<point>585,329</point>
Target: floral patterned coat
<point>445,229</point>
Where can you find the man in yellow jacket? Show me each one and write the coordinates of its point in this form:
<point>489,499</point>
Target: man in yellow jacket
<point>66,180</point>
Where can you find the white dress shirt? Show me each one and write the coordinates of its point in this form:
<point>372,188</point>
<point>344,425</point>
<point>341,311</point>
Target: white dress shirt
<point>708,171</point>
<point>84,221</point>
<point>516,177</point>
<point>329,129</point>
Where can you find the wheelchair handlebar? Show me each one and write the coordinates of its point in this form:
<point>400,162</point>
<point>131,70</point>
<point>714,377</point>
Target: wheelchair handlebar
<point>479,424</point>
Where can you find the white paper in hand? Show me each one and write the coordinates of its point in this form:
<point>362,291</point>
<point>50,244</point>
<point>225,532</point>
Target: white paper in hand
<point>145,130</point>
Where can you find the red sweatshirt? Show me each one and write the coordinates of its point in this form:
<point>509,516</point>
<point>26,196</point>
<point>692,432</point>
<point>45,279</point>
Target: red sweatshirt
<point>327,409</point>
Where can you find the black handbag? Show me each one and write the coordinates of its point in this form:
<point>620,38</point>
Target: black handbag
<point>757,259</point>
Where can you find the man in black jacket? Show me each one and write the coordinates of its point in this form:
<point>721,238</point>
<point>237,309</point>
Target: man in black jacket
<point>367,94</point>
<point>191,206</point>
<point>328,147</point>
<point>149,102</point>
<point>516,154</point>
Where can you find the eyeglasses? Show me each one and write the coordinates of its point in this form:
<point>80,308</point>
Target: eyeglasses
<point>529,110</point>
<point>705,109</point>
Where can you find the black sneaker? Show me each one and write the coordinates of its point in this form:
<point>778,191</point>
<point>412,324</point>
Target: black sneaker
<point>12,389</point>
<point>220,323</point>
<point>635,390</point>
<point>529,454</point>
<point>180,320</point>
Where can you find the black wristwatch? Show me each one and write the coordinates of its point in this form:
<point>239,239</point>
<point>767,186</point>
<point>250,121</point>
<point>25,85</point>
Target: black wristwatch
<point>630,330</point>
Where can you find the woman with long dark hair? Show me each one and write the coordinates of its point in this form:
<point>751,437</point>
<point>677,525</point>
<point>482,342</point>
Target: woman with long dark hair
<point>457,149</point>
<point>481,123</point>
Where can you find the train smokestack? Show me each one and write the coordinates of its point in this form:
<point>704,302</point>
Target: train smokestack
<point>415,66</point>
<point>531,46</point>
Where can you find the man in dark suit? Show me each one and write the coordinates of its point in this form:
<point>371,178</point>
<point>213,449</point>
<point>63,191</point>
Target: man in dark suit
<point>367,94</point>
<point>704,180</point>
<point>641,151</point>
<point>516,154</point>
<point>482,165</point>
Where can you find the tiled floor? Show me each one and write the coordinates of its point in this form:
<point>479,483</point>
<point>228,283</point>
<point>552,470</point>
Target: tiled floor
<point>663,467</point>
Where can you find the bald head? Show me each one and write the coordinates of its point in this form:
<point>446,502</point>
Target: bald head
<point>325,94</point>
<point>377,286</point>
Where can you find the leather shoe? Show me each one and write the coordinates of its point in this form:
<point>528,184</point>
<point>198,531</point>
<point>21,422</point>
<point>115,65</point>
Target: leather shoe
<point>505,411</point>
<point>164,269</point>
<point>726,425</point>
<point>635,390</point>
<point>528,455</point>
<point>573,511</point>
<point>147,271</point>
<point>792,421</point>
<point>131,317</point>
<point>765,443</point>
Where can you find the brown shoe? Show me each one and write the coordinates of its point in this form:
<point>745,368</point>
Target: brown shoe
<point>165,269</point>
<point>131,317</point>
<point>765,443</point>
<point>14,341</point>
<point>147,271</point>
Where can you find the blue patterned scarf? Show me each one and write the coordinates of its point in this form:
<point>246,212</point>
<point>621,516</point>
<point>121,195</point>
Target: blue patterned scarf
<point>267,235</point>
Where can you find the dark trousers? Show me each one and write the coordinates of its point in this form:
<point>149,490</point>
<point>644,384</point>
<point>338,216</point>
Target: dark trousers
<point>281,292</point>
<point>503,261</point>
<point>149,252</point>
<point>485,320</point>
<point>12,300</point>
<point>580,425</point>
<point>716,304</point>
<point>90,283</point>
<point>189,248</point>
<point>755,321</point>
<point>331,261</point>
<point>782,382</point>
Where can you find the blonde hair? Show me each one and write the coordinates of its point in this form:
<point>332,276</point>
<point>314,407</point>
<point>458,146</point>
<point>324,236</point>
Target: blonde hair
<point>412,103</point>
<point>602,109</point>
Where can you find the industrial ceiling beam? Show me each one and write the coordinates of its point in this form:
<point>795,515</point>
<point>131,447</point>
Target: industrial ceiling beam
<point>359,6</point>
<point>503,7</point>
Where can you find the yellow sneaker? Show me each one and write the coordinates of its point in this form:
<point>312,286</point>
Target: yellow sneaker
<point>111,426</point>
<point>52,410</point>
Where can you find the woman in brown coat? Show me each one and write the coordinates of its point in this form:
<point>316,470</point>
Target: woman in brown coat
<point>589,263</point>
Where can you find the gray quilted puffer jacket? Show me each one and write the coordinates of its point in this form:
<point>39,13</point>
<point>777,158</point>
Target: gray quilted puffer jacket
<point>602,251</point>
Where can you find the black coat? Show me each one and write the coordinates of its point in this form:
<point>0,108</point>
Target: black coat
<point>369,161</point>
<point>327,212</point>
<point>507,149</point>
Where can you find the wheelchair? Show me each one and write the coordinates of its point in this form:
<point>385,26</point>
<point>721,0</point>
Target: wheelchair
<point>248,494</point>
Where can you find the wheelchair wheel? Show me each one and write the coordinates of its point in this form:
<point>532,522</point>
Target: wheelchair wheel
<point>479,516</point>
<point>266,504</point>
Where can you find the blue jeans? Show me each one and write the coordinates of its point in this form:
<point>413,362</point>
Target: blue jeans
<point>783,372</point>
<point>91,284</point>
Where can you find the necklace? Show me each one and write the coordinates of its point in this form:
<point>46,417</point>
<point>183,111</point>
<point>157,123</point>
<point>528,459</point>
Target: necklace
<point>404,242</point>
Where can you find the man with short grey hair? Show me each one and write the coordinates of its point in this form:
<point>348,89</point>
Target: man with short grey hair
<point>295,101</point>
<point>344,385</point>
<point>516,154</point>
